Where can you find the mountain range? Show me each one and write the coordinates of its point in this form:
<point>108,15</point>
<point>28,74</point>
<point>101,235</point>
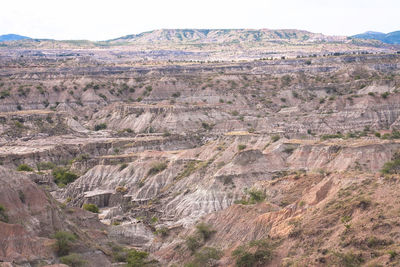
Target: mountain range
<point>230,35</point>
<point>389,38</point>
<point>12,37</point>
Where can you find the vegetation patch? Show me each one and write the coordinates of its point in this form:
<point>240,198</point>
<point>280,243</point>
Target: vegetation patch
<point>64,242</point>
<point>91,207</point>
<point>206,256</point>
<point>331,136</point>
<point>190,168</point>
<point>24,168</point>
<point>393,166</point>
<point>100,126</point>
<point>157,168</point>
<point>3,214</point>
<point>63,177</point>
<point>73,259</point>
<point>133,257</point>
<point>256,253</point>
<point>253,196</point>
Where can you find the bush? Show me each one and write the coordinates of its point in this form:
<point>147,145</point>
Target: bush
<point>349,259</point>
<point>256,196</point>
<point>163,231</point>
<point>193,243</point>
<point>392,167</point>
<point>241,147</point>
<point>205,230</point>
<point>64,242</point>
<point>156,168</point>
<point>3,214</point>
<point>136,258</point>
<point>24,168</point>
<point>206,126</point>
<point>45,166</point>
<point>4,94</point>
<point>133,257</point>
<point>177,94</point>
<point>91,207</point>
<point>275,138</point>
<point>73,259</point>
<point>100,126</point>
<point>205,257</point>
<point>123,166</point>
<point>256,253</point>
<point>385,95</point>
<point>63,177</point>
<point>331,136</point>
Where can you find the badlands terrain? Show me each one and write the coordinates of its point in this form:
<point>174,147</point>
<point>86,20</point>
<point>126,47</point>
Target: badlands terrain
<point>200,148</point>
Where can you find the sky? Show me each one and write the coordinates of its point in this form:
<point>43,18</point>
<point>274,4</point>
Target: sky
<point>102,20</point>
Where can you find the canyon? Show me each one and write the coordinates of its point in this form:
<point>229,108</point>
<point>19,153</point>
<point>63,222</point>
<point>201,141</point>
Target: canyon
<point>163,149</point>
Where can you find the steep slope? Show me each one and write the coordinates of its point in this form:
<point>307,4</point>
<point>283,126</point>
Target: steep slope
<point>30,218</point>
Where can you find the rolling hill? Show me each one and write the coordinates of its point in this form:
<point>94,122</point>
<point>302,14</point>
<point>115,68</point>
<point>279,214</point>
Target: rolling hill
<point>12,37</point>
<point>389,38</point>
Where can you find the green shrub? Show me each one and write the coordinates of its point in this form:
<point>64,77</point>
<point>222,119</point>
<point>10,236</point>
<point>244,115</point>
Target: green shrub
<point>63,177</point>
<point>136,258</point>
<point>241,147</point>
<point>331,136</point>
<point>123,166</point>
<point>4,94</point>
<point>205,257</point>
<point>64,242</point>
<point>349,259</point>
<point>193,243</point>
<point>73,260</point>
<point>156,168</point>
<point>391,167</point>
<point>392,254</point>
<point>206,126</point>
<point>3,214</point>
<point>24,168</point>
<point>163,231</point>
<point>205,230</point>
<point>100,126</point>
<point>385,95</point>
<point>45,166</point>
<point>91,207</point>
<point>256,196</point>
<point>132,257</point>
<point>288,150</point>
<point>275,138</point>
<point>256,253</point>
<point>177,94</point>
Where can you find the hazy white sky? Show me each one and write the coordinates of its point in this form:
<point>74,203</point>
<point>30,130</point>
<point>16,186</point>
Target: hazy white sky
<point>101,20</point>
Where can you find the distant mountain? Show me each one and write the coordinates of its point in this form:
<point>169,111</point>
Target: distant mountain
<point>210,36</point>
<point>389,38</point>
<point>12,37</point>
